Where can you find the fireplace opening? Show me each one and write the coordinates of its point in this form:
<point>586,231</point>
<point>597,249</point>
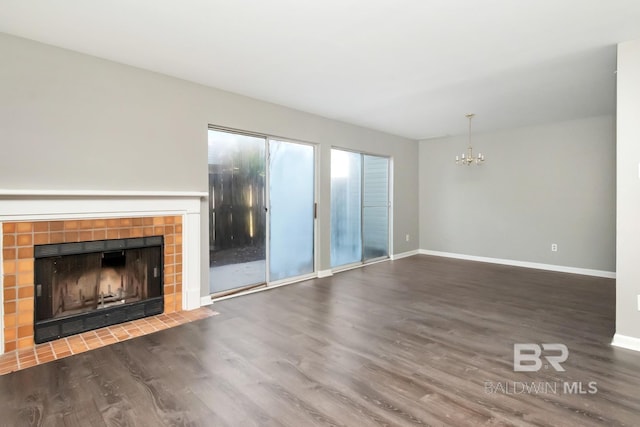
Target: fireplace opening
<point>88,285</point>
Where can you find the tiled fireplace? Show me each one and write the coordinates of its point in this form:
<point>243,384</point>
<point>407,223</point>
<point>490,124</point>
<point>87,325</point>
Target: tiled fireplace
<point>19,239</point>
<point>25,225</point>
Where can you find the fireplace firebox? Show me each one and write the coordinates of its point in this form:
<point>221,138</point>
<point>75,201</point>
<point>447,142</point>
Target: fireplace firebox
<point>89,285</point>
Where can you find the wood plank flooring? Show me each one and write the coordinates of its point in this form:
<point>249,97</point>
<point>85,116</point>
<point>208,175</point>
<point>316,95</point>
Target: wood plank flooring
<point>418,341</point>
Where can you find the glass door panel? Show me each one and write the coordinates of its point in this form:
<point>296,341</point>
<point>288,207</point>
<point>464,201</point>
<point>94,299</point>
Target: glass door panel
<point>375,209</point>
<point>237,221</point>
<point>346,208</point>
<point>291,212</point>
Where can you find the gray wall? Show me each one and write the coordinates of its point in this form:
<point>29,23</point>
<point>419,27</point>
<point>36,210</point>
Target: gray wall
<point>628,201</point>
<point>540,185</point>
<point>71,121</point>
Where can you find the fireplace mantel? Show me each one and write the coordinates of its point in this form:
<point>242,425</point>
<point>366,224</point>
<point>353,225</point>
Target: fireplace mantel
<point>99,193</point>
<point>59,205</point>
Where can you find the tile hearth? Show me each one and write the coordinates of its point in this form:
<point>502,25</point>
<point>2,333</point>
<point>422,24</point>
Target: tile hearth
<point>64,347</point>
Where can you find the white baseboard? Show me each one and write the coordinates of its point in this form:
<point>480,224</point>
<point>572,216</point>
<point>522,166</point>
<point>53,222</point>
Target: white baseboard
<point>206,300</point>
<point>324,273</point>
<point>624,341</point>
<point>404,255</point>
<point>526,264</point>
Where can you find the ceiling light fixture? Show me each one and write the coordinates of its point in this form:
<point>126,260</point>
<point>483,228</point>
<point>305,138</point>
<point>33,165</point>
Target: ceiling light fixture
<point>467,159</point>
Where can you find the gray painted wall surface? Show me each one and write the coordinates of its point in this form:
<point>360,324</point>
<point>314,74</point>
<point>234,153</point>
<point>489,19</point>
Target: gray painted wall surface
<point>628,201</point>
<point>540,185</point>
<point>71,121</point>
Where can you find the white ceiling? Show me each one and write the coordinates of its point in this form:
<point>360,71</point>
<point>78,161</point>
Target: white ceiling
<point>407,67</point>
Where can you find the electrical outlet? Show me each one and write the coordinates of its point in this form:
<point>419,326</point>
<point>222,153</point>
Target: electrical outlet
<point>638,302</point>
<point>554,247</point>
<point>406,237</point>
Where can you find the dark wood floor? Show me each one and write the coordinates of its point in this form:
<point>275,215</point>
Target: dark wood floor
<point>408,342</point>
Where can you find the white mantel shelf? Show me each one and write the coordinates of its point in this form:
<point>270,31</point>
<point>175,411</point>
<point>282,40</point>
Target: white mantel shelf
<point>100,193</point>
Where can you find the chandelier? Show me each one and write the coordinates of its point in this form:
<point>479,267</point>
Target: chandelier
<point>468,158</point>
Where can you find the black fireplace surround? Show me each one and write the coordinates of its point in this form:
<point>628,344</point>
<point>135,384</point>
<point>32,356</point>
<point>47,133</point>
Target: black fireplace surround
<point>89,285</point>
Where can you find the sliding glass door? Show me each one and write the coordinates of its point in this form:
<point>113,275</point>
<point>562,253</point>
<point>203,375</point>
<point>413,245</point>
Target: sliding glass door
<point>292,209</point>
<point>359,207</point>
<point>262,212</point>
<point>346,208</point>
<point>237,220</point>
<point>375,207</point>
